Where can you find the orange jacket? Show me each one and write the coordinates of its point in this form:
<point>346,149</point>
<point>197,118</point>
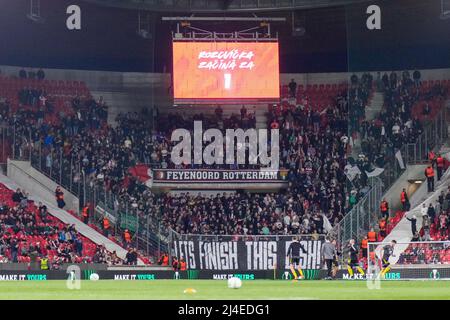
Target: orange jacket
<point>382,225</point>
<point>85,211</point>
<point>429,172</point>
<point>127,236</point>
<point>59,195</point>
<point>106,223</point>
<point>440,162</point>
<point>372,236</point>
<point>431,155</point>
<point>403,196</point>
<point>364,243</point>
<point>183,265</point>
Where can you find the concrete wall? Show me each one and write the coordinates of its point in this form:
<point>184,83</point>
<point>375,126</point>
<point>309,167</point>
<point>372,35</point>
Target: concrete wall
<point>341,77</point>
<point>412,173</point>
<point>122,91</point>
<point>133,91</point>
<point>34,182</point>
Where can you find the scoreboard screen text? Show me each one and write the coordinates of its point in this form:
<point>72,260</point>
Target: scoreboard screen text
<point>225,70</point>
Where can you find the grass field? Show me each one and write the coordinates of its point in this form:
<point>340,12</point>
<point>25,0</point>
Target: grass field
<point>217,289</point>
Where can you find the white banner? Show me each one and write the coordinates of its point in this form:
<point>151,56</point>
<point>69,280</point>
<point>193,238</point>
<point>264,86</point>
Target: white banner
<point>399,157</point>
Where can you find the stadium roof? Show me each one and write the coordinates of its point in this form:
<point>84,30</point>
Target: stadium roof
<point>222,5</point>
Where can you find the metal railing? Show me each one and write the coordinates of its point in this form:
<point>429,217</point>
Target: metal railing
<point>67,170</point>
<point>271,237</point>
<point>362,216</point>
<point>434,135</point>
<point>366,213</point>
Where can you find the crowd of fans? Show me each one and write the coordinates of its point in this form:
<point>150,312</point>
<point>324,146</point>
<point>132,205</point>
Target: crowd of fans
<point>314,144</point>
<point>30,234</point>
<point>313,149</point>
<point>406,106</point>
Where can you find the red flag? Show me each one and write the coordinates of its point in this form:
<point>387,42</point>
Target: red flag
<point>143,173</point>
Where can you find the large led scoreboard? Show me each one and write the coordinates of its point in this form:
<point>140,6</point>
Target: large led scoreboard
<point>225,72</point>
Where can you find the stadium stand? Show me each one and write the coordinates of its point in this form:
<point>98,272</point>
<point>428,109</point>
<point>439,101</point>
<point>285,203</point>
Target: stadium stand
<point>75,139</point>
<point>408,104</point>
<point>30,233</point>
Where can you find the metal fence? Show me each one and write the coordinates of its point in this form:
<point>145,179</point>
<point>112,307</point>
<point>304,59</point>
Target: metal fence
<point>362,216</point>
<point>148,235</point>
<point>366,213</point>
<point>434,135</point>
<point>201,237</point>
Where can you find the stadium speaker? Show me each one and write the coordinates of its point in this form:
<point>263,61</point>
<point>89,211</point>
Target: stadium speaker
<point>145,34</point>
<point>298,31</point>
<point>298,22</point>
<point>445,9</point>
<point>35,11</point>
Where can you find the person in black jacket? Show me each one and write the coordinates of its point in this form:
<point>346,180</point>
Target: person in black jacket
<point>17,196</point>
<point>292,88</point>
<point>413,221</point>
<point>294,255</point>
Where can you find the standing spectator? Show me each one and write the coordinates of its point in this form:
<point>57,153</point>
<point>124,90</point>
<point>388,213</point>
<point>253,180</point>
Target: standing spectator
<point>413,221</point>
<point>439,166</point>
<point>404,200</point>
<point>292,88</point>
<point>59,194</point>
<point>364,246</point>
<point>426,228</point>
<point>85,213</point>
<point>328,253</point>
<point>384,208</point>
<point>431,213</point>
<point>126,237</point>
<point>22,74</point>
<point>424,210</point>
<point>106,226</point>
<point>42,212</point>
<point>40,74</point>
<point>382,226</point>
<point>17,196</point>
<point>429,174</point>
<point>14,250</point>
<point>416,77</point>
<point>78,246</point>
<point>372,235</point>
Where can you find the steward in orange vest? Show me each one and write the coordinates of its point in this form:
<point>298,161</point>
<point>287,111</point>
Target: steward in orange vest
<point>127,236</point>
<point>85,213</point>
<point>372,236</point>
<point>429,173</point>
<point>382,225</point>
<point>404,200</point>
<point>431,156</point>
<point>384,208</point>
<point>164,260</point>
<point>106,227</point>
<point>440,166</point>
<point>364,245</point>
<point>183,266</point>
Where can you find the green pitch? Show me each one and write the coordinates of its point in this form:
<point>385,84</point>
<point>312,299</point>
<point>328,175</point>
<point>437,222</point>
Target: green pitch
<point>217,289</point>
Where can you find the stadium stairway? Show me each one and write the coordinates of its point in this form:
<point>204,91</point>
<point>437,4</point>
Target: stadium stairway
<point>44,196</point>
<point>372,110</point>
<point>402,231</point>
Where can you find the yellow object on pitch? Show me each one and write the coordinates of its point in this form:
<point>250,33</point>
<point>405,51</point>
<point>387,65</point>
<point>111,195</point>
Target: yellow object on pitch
<point>190,290</point>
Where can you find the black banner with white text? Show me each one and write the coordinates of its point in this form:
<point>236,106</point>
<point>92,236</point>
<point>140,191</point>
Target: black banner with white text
<point>244,255</point>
